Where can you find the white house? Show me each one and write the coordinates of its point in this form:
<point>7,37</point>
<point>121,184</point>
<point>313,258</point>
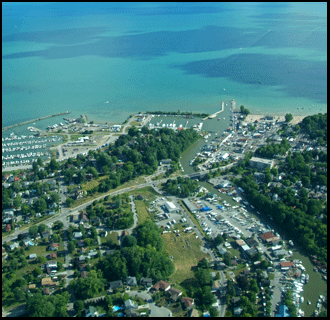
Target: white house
<point>77,235</point>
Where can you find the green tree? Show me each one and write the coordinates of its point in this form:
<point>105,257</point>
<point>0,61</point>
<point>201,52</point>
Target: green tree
<point>42,227</point>
<point>79,306</point>
<point>288,117</point>
<point>204,277</point>
<point>17,201</point>
<point>69,202</point>
<point>214,312</point>
<point>129,241</point>
<point>33,230</point>
<point>19,294</point>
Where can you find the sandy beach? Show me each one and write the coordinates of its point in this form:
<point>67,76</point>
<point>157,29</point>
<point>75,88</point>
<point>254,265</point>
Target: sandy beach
<point>254,117</point>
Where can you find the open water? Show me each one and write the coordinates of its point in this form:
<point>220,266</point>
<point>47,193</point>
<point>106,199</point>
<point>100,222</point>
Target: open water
<point>109,60</point>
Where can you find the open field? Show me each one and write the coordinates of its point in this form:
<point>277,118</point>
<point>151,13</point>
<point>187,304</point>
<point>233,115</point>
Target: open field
<point>184,257</point>
<point>113,236</point>
<point>142,212</point>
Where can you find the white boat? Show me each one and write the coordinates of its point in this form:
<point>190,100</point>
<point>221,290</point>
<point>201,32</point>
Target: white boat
<point>301,299</point>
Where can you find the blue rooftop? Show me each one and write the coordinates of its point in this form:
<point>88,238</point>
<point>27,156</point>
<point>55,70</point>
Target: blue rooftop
<point>284,311</point>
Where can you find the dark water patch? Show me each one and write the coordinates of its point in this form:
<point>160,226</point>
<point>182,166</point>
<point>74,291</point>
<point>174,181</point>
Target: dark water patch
<point>146,45</point>
<point>297,78</point>
<point>7,89</point>
<point>62,36</point>
<point>63,9</point>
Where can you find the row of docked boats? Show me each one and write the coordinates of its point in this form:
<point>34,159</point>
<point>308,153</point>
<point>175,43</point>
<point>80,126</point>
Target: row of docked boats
<point>24,148</point>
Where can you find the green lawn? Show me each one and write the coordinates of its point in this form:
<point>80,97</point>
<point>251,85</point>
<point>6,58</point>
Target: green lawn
<point>38,250</point>
<point>110,236</point>
<point>141,209</point>
<point>184,257</point>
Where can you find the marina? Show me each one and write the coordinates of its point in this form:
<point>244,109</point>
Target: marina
<point>25,149</point>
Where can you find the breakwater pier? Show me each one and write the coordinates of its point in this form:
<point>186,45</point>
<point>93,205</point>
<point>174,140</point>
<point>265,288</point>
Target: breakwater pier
<point>212,116</point>
<point>30,121</point>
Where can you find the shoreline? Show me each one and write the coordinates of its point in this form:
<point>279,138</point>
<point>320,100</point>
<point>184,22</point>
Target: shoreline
<point>253,117</point>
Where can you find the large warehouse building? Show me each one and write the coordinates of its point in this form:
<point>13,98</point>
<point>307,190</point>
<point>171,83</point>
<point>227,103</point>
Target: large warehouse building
<point>170,206</point>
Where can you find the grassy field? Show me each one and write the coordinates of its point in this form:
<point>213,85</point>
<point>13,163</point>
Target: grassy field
<point>184,257</point>
<point>74,137</point>
<point>141,210</point>
<point>149,194</point>
<point>111,236</point>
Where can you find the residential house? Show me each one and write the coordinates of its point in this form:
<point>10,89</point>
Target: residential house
<point>52,255</point>
<point>174,293</point>
<point>81,243</point>
<point>216,286</point>
<point>32,256</point>
<point>51,265</point>
<point>131,281</point>
<point>251,242</point>
<point>146,282</point>
<point>83,217</point>
<point>79,194</point>
<point>28,242</point>
<point>187,302</point>
<point>237,311</point>
<point>8,227</point>
<point>91,312</point>
<point>95,221</point>
<point>46,291</point>
<point>285,264</point>
<point>53,246</point>
<point>161,285</point>
<point>267,235</point>
<point>193,313</point>
<point>77,235</point>
<point>281,252</point>
<point>48,282</point>
<point>116,284</point>
<point>129,304</point>
<point>132,313</point>
<point>103,233</point>
<point>75,217</point>
<point>235,301</point>
<point>45,234</point>
<point>13,246</point>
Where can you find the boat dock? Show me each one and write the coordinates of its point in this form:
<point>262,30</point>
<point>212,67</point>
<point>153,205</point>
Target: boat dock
<point>212,116</point>
<point>29,121</point>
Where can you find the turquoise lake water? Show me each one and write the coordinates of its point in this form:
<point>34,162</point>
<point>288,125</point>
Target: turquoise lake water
<point>109,60</point>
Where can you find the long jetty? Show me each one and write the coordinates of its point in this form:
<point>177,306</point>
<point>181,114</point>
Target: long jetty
<point>215,114</point>
<point>29,121</point>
